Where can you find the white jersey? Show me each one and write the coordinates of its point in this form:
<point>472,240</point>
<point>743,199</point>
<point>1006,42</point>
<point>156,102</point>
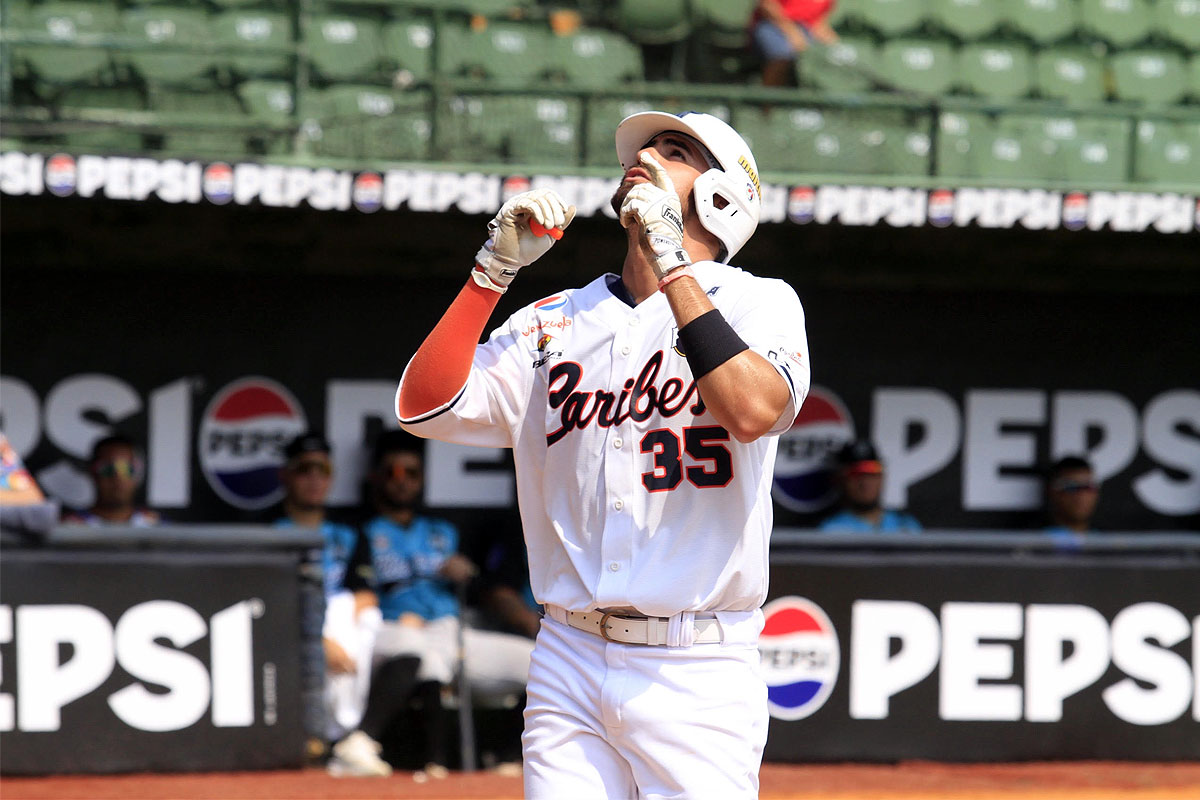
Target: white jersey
<point>631,494</point>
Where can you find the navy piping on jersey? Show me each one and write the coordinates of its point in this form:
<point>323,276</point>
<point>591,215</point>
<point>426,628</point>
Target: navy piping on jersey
<point>439,412</point>
<point>617,287</point>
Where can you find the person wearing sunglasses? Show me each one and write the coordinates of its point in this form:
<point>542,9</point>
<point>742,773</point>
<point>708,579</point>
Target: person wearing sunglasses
<point>348,622</point>
<point>860,475</point>
<point>1071,496</point>
<point>116,469</point>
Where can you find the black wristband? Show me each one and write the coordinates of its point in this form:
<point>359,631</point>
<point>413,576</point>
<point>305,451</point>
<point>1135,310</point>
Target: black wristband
<point>709,341</point>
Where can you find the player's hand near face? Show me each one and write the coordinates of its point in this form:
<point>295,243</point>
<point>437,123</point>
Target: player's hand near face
<point>512,243</point>
<point>655,207</point>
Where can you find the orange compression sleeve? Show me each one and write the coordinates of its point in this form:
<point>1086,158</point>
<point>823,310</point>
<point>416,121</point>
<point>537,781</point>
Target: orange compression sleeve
<point>443,361</point>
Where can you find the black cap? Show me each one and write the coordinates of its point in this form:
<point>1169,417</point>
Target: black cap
<point>308,442</point>
<point>860,453</point>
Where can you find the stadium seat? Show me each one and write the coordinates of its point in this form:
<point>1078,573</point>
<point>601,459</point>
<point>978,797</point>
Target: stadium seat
<point>511,53</point>
<point>1072,74</point>
<point>849,65</point>
<point>1043,21</point>
<point>903,149</point>
<point>267,100</point>
<point>484,8</point>
<point>260,41</point>
<point>466,132</point>
<point>1150,76</point>
<point>965,19</point>
<point>603,114</point>
<point>343,47</point>
<point>100,136</point>
<point>164,34</point>
<point>995,69</point>
<point>918,65</point>
<point>725,23</point>
<point>408,49</point>
<point>961,138</point>
<point>1121,23</point>
<point>1015,155</point>
<point>1167,152</point>
<point>1179,21</point>
<point>542,130</point>
<point>207,123</point>
<point>659,22</point>
<point>359,121</point>
<point>596,59</point>
<point>1194,76</point>
<point>1100,152</point>
<point>890,17</point>
<point>66,61</point>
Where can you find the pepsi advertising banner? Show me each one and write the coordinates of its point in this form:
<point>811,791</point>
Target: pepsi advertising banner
<point>974,661</point>
<point>163,661</point>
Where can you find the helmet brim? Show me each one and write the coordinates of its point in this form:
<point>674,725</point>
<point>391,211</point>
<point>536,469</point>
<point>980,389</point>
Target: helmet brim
<point>637,129</point>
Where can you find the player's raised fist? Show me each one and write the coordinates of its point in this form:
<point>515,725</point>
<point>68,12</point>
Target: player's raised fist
<point>513,243</point>
<point>656,209</point>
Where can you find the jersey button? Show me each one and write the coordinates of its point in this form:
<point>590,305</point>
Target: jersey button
<point>625,350</point>
<point>618,504</point>
<point>617,442</point>
<point>614,567</point>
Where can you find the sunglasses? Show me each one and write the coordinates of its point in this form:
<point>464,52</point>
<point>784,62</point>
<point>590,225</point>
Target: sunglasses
<point>116,468</point>
<point>398,471</point>
<point>311,467</point>
<point>1075,486</point>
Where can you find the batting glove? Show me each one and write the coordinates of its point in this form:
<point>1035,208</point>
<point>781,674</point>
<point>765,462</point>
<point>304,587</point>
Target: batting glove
<point>511,244</point>
<point>656,208</point>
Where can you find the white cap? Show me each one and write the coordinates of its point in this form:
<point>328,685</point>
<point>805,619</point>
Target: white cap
<point>735,179</point>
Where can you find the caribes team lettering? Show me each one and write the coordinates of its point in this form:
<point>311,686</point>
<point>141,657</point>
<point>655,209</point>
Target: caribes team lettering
<point>642,394</point>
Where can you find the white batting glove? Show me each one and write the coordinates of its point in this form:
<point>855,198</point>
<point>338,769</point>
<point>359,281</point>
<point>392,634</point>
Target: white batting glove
<point>656,208</point>
<point>511,244</point>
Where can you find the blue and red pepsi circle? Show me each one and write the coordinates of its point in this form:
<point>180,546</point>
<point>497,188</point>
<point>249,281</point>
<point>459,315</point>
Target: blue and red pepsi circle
<point>941,207</point>
<point>804,477</point>
<point>60,174</point>
<point>241,440</point>
<point>368,192</point>
<point>218,183</point>
<point>1074,211</point>
<point>800,657</point>
<point>801,205</point>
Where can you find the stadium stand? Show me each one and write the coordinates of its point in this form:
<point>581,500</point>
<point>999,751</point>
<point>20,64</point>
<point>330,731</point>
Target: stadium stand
<point>973,90</point>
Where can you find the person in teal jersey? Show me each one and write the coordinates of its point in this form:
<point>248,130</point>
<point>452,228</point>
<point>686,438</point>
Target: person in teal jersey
<point>1071,497</point>
<point>860,473</point>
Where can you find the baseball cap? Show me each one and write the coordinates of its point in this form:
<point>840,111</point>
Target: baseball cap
<point>860,457</point>
<point>734,179</point>
<point>308,442</point>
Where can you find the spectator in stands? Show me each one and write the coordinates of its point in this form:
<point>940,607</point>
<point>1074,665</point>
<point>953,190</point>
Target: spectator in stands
<point>117,470</point>
<point>783,28</point>
<point>860,475</point>
<point>419,576</point>
<point>348,618</point>
<point>1071,496</point>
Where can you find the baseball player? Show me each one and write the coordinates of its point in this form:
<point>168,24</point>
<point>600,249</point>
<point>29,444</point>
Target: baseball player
<point>643,410</point>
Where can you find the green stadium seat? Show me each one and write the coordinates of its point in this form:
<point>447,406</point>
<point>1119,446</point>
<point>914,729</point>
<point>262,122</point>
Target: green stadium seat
<point>511,53</point>
<point>542,130</point>
<point>596,59</point>
<point>1150,76</point>
<point>1100,152</point>
<point>358,121</point>
<point>995,69</point>
<point>466,132</point>
<point>343,47</point>
<point>208,123</point>
<point>962,136</point>
<point>810,139</point>
<point>1016,154</point>
<point>408,49</point>
<point>965,19</point>
<point>164,33</point>
<point>272,101</point>
<point>261,41</point>
<point>1194,76</point>
<point>849,65</point>
<point>66,61</point>
<point>1179,21</point>
<point>725,22</point>
<point>1043,21</point>
<point>890,17</point>
<point>1167,152</point>
<point>903,149</point>
<point>659,22</point>
<point>100,136</point>
<point>918,65</point>
<point>603,114</point>
<point>485,8</point>
<point>1072,74</point>
<point>1121,23</point>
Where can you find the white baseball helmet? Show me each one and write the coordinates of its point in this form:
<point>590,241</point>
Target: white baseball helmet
<point>735,180</point>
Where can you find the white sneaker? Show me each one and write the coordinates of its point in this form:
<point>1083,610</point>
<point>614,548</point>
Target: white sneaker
<point>358,756</point>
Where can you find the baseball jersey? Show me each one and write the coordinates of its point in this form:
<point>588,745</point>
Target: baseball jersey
<point>340,545</point>
<point>890,522</point>
<point>405,561</point>
<point>630,492</point>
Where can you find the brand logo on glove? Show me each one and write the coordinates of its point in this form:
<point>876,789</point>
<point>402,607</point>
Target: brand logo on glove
<point>670,216</point>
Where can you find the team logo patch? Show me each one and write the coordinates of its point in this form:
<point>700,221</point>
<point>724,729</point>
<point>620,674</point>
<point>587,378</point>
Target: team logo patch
<point>241,441</point>
<point>800,657</point>
<point>545,350</point>
<point>368,192</point>
<point>218,183</point>
<point>1074,211</point>
<point>941,207</point>
<point>801,205</point>
<point>804,477</point>
<point>551,303</point>
<point>60,175</point>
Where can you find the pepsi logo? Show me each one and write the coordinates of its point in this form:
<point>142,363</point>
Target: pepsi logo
<point>800,657</point>
<point>218,183</point>
<point>241,440</point>
<point>1074,211</point>
<point>60,174</point>
<point>801,204</point>
<point>551,303</point>
<point>1198,215</point>
<point>941,207</point>
<point>368,192</point>
<point>512,186</point>
<point>804,477</point>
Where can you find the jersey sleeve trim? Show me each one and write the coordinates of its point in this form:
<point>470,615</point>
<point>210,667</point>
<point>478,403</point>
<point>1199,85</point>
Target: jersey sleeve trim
<point>436,412</point>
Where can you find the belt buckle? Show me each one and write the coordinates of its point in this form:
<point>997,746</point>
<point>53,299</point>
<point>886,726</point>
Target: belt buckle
<point>604,627</point>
